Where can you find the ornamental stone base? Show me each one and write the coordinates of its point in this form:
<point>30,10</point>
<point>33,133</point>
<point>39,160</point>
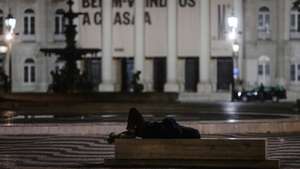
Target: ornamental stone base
<point>106,87</point>
<point>204,88</point>
<point>171,87</point>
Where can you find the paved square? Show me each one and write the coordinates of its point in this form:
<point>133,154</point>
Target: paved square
<point>53,151</point>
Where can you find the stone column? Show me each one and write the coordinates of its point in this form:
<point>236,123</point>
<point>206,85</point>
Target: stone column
<point>172,85</point>
<point>107,84</point>
<point>204,86</point>
<point>139,38</point>
<point>282,50</point>
<point>43,26</point>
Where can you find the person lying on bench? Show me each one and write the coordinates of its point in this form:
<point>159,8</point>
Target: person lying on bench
<point>166,129</point>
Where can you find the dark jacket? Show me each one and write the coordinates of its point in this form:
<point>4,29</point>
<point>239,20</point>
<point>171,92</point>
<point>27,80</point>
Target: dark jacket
<point>168,128</point>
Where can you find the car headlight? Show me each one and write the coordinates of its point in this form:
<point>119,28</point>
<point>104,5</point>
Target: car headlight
<point>255,93</point>
<point>239,94</point>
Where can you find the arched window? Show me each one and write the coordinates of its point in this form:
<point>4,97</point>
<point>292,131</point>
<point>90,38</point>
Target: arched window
<point>264,23</point>
<point>264,70</point>
<point>59,22</point>
<point>29,71</point>
<point>1,22</point>
<point>29,22</point>
<point>294,23</point>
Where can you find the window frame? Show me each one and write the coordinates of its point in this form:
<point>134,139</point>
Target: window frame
<point>294,25</point>
<point>294,72</point>
<point>29,22</point>
<point>264,23</point>
<point>264,69</point>
<point>29,71</point>
<point>223,9</point>
<point>59,21</point>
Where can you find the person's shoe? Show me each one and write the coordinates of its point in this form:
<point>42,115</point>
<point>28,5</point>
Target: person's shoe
<point>112,136</point>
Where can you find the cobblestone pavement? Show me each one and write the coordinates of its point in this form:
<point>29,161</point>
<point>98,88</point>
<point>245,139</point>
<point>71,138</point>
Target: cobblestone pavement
<point>20,152</point>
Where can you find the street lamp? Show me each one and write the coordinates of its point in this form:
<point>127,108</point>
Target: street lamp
<point>233,24</point>
<point>10,23</point>
<point>232,35</point>
<point>236,71</point>
<point>235,47</point>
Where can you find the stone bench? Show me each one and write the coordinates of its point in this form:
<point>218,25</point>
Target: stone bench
<point>187,153</point>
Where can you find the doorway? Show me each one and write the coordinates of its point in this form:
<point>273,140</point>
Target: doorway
<point>191,74</point>
<point>159,74</point>
<point>224,73</point>
<point>127,66</point>
<point>93,71</point>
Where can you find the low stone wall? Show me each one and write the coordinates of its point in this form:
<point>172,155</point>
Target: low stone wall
<point>215,127</point>
<point>90,97</point>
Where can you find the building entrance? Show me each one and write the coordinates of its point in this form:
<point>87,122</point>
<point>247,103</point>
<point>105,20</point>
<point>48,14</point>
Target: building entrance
<point>127,66</point>
<point>224,73</point>
<point>93,71</point>
<point>191,74</point>
<point>159,74</point>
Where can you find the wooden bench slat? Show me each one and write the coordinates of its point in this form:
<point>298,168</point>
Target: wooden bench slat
<point>207,164</point>
<point>201,149</point>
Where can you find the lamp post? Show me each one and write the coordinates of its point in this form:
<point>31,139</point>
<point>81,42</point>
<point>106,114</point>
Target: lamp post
<point>10,23</point>
<point>236,71</point>
<point>232,35</point>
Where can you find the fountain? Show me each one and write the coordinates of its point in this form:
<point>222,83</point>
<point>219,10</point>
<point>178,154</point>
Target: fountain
<point>69,79</point>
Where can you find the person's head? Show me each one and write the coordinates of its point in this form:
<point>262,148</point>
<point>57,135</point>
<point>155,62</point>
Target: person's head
<point>133,110</point>
<point>135,119</point>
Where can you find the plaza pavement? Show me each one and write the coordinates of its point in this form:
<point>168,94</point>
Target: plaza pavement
<point>83,145</point>
<point>71,152</point>
<point>105,117</point>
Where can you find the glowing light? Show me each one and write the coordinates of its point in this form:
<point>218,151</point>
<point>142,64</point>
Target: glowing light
<point>10,22</point>
<point>235,47</point>
<point>232,22</point>
<point>108,115</point>
<point>231,120</point>
<point>232,35</point>
<point>3,49</point>
<point>9,36</point>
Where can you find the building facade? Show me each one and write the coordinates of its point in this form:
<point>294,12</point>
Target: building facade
<point>178,45</point>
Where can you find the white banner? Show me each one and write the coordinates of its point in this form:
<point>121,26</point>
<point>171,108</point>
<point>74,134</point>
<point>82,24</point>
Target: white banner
<point>156,26</point>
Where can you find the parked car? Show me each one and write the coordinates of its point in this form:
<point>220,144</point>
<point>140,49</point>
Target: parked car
<point>261,93</point>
